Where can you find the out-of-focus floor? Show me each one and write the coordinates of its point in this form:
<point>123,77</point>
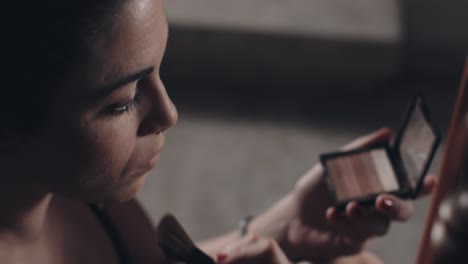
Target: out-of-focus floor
<point>217,168</point>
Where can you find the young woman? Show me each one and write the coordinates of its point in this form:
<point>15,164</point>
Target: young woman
<point>83,118</point>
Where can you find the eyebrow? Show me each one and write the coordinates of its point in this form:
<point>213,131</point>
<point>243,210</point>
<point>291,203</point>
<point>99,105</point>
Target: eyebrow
<point>115,85</point>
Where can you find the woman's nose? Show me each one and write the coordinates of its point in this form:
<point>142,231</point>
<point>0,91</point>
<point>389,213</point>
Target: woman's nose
<point>161,113</point>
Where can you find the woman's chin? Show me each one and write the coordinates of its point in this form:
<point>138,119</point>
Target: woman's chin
<point>129,192</point>
<point>122,193</point>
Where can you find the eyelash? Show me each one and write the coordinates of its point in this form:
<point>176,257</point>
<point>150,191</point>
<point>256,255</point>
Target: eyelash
<point>120,109</point>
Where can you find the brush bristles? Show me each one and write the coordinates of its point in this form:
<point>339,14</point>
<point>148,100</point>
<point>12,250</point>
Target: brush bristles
<point>176,244</point>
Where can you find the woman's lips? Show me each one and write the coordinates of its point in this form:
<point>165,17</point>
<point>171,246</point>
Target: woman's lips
<point>148,167</point>
<point>152,163</point>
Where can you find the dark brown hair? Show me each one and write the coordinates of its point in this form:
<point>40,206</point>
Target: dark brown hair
<point>42,41</point>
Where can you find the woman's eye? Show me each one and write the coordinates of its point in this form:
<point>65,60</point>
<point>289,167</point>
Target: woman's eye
<point>119,109</point>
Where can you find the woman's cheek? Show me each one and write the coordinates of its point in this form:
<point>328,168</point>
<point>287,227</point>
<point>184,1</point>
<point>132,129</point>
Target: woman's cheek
<point>110,148</point>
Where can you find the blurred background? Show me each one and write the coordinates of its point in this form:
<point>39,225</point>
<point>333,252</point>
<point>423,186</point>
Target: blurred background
<point>264,86</point>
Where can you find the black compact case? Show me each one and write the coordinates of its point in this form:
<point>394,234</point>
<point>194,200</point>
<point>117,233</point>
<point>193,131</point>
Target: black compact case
<point>362,174</point>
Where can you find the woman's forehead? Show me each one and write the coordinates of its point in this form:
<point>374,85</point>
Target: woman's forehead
<point>135,38</point>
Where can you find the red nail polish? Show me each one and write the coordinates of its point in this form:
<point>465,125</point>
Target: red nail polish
<point>221,257</point>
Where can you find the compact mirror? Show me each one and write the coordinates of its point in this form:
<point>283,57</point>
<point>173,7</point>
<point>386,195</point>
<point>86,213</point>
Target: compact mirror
<point>362,174</point>
<point>417,143</point>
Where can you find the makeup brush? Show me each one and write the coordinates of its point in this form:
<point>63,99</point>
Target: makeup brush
<point>177,245</point>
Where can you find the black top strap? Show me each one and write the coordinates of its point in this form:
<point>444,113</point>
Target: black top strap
<point>103,217</point>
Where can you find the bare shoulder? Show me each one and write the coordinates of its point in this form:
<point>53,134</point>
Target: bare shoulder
<point>362,258</point>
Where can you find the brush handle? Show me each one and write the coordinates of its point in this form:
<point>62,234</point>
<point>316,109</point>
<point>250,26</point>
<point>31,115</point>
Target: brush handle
<point>199,257</point>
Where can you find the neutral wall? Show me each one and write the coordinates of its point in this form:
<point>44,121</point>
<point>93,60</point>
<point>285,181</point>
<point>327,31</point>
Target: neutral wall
<point>258,106</point>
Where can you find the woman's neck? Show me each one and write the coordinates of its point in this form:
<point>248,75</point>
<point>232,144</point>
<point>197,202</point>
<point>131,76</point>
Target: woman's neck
<point>22,214</point>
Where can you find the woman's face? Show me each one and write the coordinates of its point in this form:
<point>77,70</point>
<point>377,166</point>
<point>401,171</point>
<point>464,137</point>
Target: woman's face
<point>105,130</point>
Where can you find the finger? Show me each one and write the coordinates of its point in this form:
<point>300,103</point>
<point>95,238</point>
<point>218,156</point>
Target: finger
<point>334,216</point>
<point>234,252</point>
<point>381,135</point>
<point>250,238</point>
<point>430,184</point>
<point>393,207</point>
<point>353,210</point>
<point>249,252</point>
<point>361,223</point>
<point>368,221</point>
<point>256,250</point>
<point>311,176</point>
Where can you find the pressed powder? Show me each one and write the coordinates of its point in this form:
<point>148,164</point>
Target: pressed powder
<point>362,174</point>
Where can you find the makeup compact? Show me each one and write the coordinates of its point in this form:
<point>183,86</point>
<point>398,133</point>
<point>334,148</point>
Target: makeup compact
<point>362,174</point>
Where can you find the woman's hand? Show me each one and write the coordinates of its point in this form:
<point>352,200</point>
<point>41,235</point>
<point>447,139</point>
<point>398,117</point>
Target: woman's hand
<point>308,228</point>
<point>253,249</point>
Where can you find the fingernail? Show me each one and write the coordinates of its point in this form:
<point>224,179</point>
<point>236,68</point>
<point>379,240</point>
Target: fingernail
<point>388,204</point>
<point>334,215</point>
<point>221,257</point>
